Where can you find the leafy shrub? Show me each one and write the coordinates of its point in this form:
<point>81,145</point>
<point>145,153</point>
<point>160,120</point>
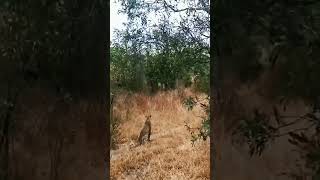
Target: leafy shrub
<point>202,132</point>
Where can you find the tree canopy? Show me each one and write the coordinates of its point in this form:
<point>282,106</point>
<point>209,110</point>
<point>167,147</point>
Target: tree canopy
<point>169,39</point>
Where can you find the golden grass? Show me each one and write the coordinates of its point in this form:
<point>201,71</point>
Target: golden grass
<point>170,154</point>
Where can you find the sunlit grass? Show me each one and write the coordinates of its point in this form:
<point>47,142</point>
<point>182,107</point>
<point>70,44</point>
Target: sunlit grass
<point>170,154</point>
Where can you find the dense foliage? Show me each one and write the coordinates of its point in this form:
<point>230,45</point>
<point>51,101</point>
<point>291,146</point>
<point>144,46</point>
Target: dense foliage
<point>168,52</point>
<point>157,55</point>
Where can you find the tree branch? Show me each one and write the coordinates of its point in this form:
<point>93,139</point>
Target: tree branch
<point>166,5</point>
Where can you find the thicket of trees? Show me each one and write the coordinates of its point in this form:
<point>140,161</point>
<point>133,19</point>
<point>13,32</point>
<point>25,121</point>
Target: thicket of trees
<point>163,53</point>
<point>160,55</point>
<point>163,70</point>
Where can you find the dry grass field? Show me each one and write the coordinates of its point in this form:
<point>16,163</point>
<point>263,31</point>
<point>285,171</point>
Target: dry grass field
<point>169,154</point>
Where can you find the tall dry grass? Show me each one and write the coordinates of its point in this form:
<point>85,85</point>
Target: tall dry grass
<point>170,154</point>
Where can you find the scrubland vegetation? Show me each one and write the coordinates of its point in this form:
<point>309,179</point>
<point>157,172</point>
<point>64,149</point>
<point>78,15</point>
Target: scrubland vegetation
<point>161,70</point>
<point>170,154</point>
